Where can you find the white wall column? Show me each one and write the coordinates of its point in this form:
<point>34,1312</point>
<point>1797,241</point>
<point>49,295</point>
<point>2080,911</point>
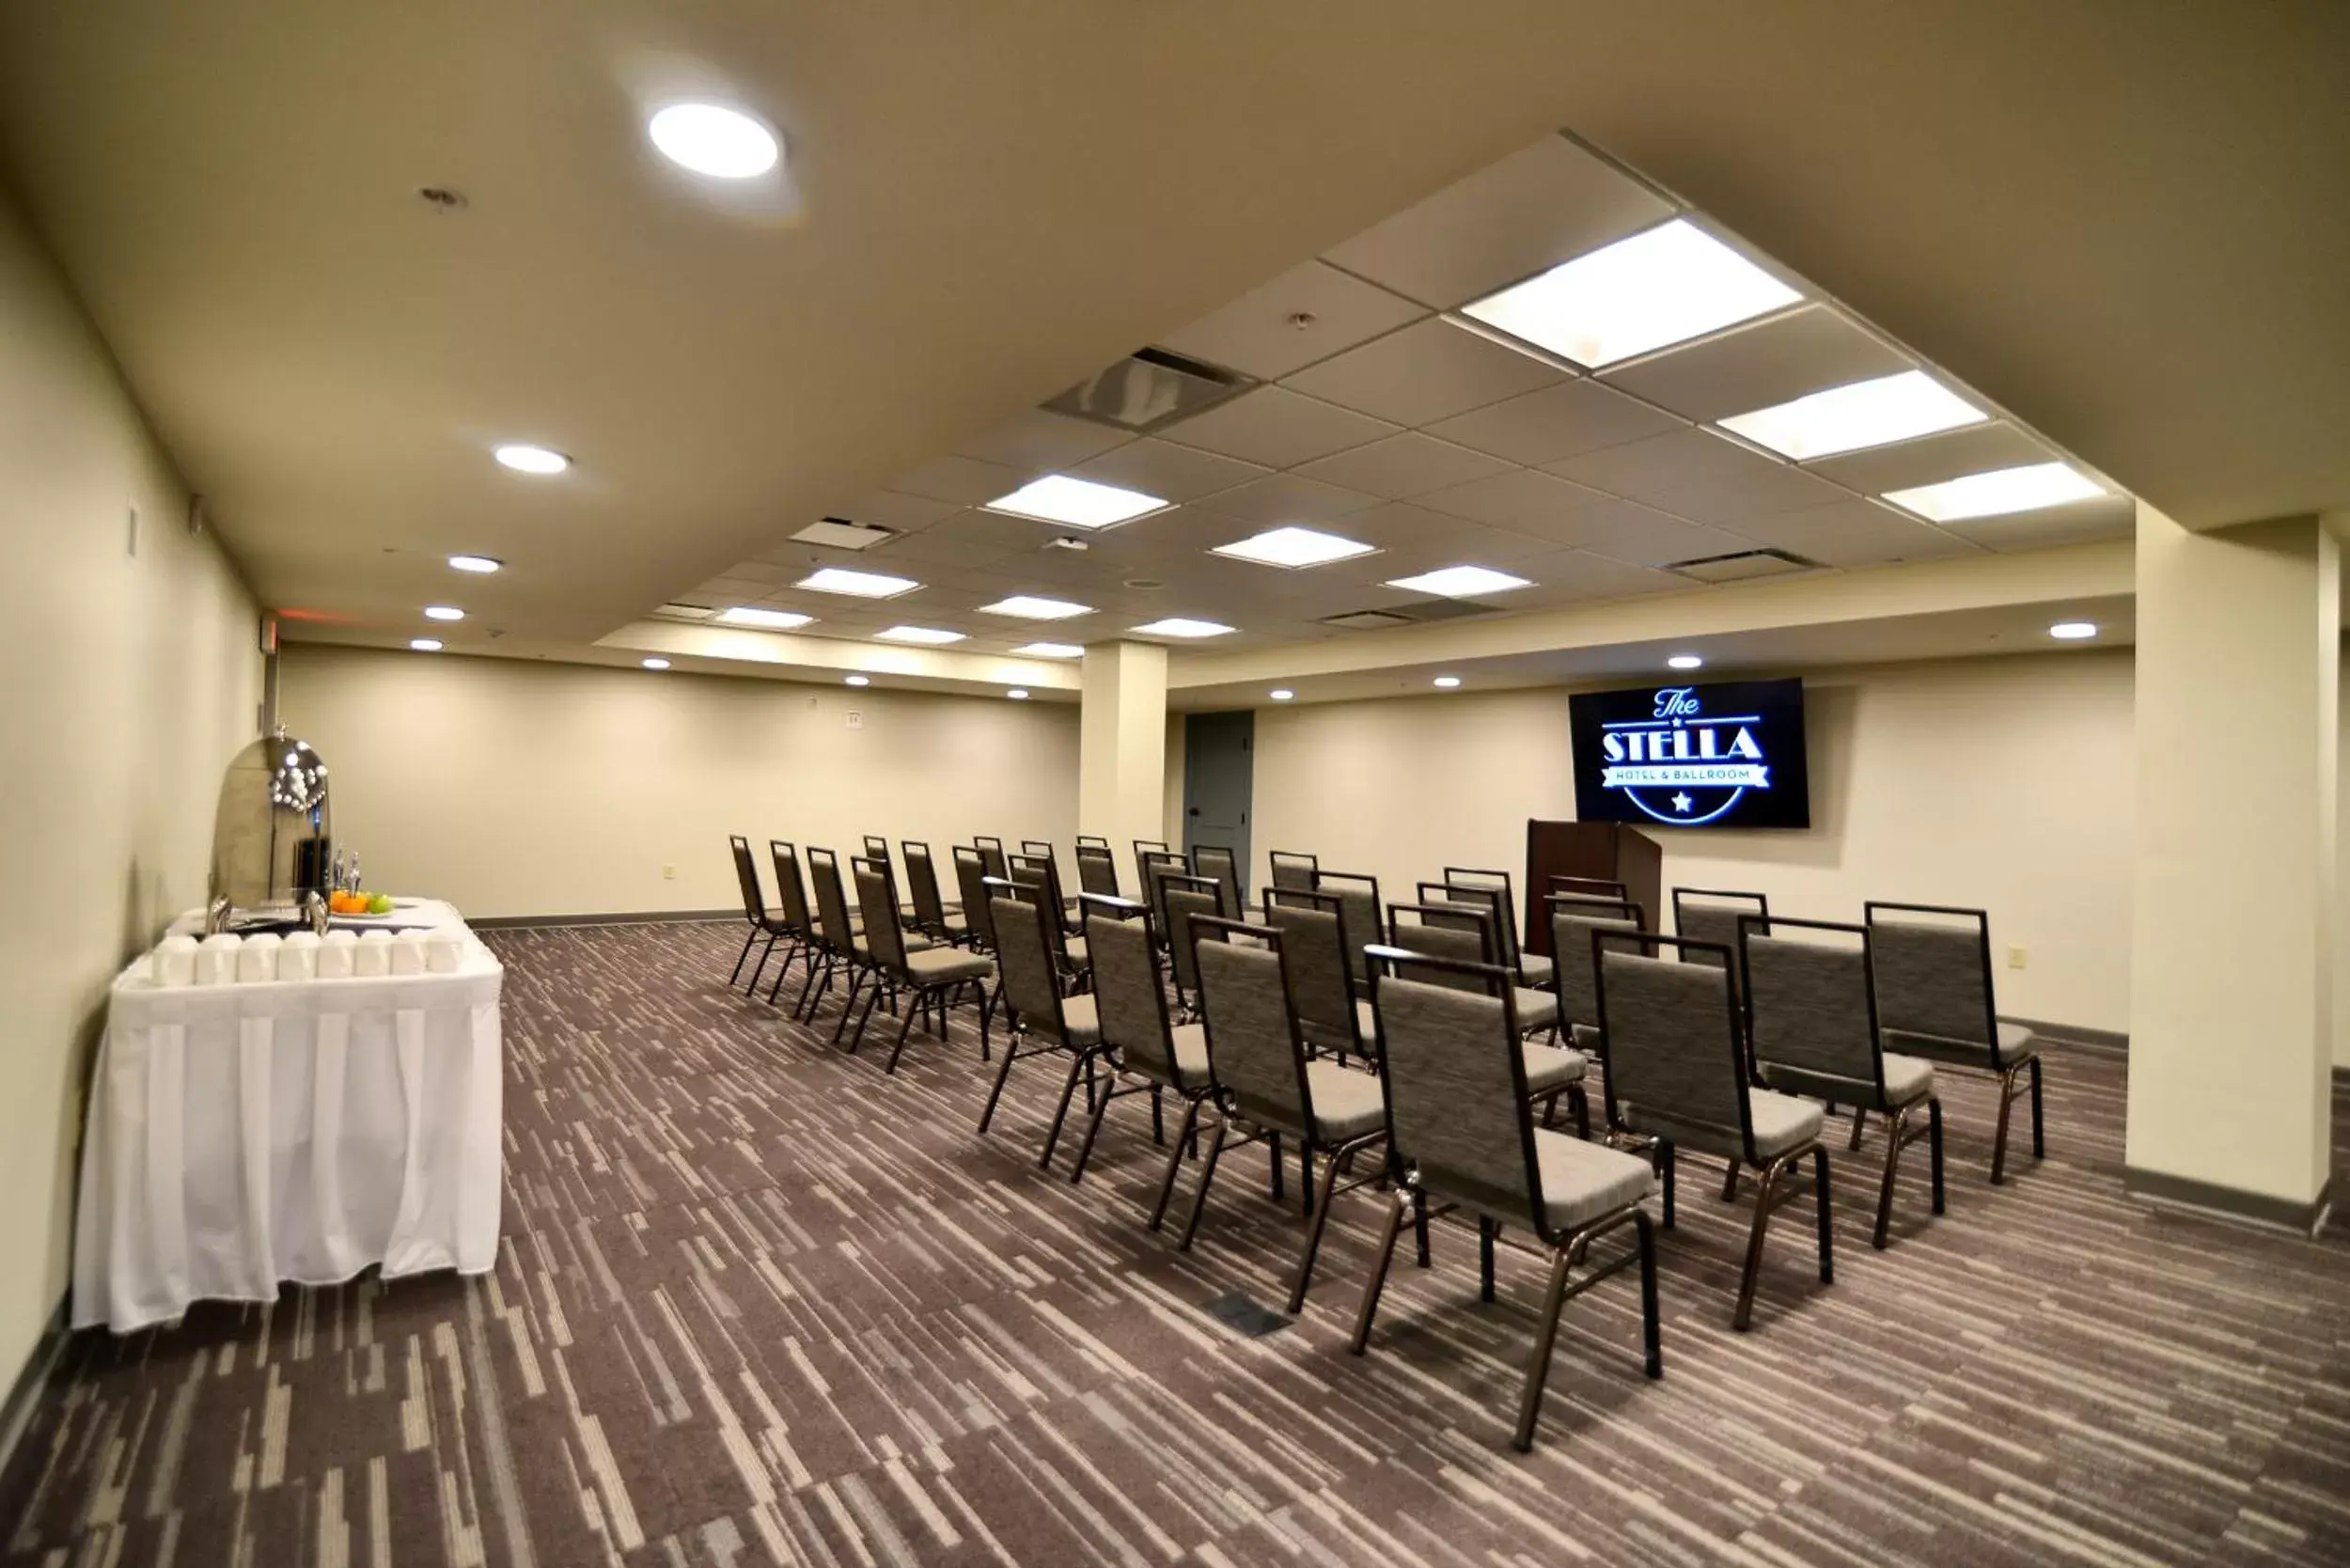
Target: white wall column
<point>1121,753</point>
<point>2233,901</point>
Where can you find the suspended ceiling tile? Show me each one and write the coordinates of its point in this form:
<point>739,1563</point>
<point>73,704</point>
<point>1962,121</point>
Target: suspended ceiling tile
<point>1400,527</point>
<point>995,530</point>
<point>1629,531</point>
<point>1040,441</point>
<point>966,481</point>
<point>1547,204</point>
<point>1277,428</point>
<point>1700,476</point>
<point>1521,500</point>
<point>1760,364</point>
<point>1163,469</point>
<point>1854,533</point>
<point>1558,422</point>
<point>1931,459</point>
<point>897,511</point>
<point>1578,576</point>
<point>1260,334</point>
<point>1430,370</point>
<point>1405,466</point>
<point>933,547</point>
<point>1279,498</point>
<point>2079,523</point>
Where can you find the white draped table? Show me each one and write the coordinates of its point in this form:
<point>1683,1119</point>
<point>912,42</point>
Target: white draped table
<point>241,1135</point>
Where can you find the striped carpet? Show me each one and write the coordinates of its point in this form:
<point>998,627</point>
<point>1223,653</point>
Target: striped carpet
<point>759,1303</point>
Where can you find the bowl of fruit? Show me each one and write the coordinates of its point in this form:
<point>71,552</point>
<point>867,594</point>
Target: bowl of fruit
<point>359,906</point>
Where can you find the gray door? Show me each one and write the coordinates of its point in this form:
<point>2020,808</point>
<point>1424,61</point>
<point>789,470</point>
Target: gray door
<point>1217,767</point>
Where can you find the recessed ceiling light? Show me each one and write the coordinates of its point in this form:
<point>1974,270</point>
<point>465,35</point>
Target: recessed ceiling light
<point>861,585</point>
<point>1030,608</point>
<point>1177,626</point>
<point>1998,493</point>
<point>425,644</point>
<point>857,680</point>
<point>1848,418</point>
<point>1294,547</point>
<point>725,143</point>
<point>2073,631</point>
<point>656,664</point>
<point>525,459</point>
<point>1461,582</point>
<point>1448,681</point>
<point>1671,283</point>
<point>1080,502</point>
<point>1685,661</point>
<point>476,563</point>
<point>1018,693</point>
<point>919,634</point>
<point>773,621</point>
<point>443,612</point>
<point>1052,651</point>
<point>1280,694</point>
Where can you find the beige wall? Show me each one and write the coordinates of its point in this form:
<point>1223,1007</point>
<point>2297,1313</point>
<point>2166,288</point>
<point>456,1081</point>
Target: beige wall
<point>513,787</point>
<point>130,682</point>
<point>2003,783</point>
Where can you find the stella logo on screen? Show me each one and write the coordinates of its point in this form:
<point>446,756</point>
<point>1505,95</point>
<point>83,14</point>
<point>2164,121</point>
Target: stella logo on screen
<point>1682,764</point>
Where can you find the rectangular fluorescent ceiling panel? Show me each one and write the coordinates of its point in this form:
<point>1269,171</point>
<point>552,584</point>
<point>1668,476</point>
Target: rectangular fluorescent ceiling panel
<point>858,584</point>
<point>1660,287</point>
<point>1849,418</point>
<point>1078,503</point>
<point>932,635</point>
<point>771,621</point>
<point>1461,582</point>
<point>1051,650</point>
<point>1998,493</point>
<point>1030,608</point>
<point>1177,626</point>
<point>841,534</point>
<point>1294,547</point>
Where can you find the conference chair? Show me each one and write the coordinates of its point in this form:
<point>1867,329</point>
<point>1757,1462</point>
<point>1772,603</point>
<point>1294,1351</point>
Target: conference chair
<point>1462,940</point>
<point>1214,862</point>
<point>992,856</point>
<point>1932,968</point>
<point>1461,1136</point>
<point>1140,1041</point>
<point>1358,918</point>
<point>1321,993</point>
<point>1093,840</point>
<point>927,978</point>
<point>1038,1020</point>
<point>1591,887</point>
<point>1182,901</point>
<point>755,913</point>
<point>1269,1086</point>
<point>791,892</point>
<point>932,917</point>
<point>1097,871</point>
<point>1812,1028</point>
<point>1532,968</point>
<point>838,937</point>
<point>1712,916</point>
<point>1574,977</point>
<point>1677,1078</point>
<point>1157,865</point>
<point>1144,848</point>
<point>1292,871</point>
<point>979,925</point>
<point>1043,879</point>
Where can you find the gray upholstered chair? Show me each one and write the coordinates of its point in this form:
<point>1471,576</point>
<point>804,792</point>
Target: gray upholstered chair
<point>1157,866</point>
<point>1932,969</point>
<point>1069,953</point>
<point>1358,918</point>
<point>1183,898</point>
<point>1266,1083</point>
<point>1462,940</point>
<point>1330,1015</point>
<point>1575,977</point>
<point>1291,870</point>
<point>1812,1029</point>
<point>762,920</point>
<point>1533,968</point>
<point>1144,850</point>
<point>1676,1075</point>
<point>921,977</point>
<point>992,856</point>
<point>932,917</point>
<point>1097,869</point>
<point>1711,916</point>
<point>1461,1120</point>
<point>799,916</point>
<point>836,940</point>
<point>1038,1019</point>
<point>1215,863</point>
<point>1138,1039</point>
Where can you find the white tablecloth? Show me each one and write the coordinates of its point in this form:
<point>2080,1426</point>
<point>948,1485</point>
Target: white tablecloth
<point>241,1135</point>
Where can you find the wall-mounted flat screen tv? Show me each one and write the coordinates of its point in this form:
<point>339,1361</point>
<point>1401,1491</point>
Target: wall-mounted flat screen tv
<point>1725,755</point>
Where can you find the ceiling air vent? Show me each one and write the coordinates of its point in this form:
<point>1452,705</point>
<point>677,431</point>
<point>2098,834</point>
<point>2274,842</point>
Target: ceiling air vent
<point>1744,567</point>
<point>841,534</point>
<point>1408,615</point>
<point>1366,621</point>
<point>1150,388</point>
<point>686,612</point>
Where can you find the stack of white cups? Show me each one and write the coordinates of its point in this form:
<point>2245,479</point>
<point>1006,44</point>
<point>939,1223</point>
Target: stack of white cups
<point>337,954</point>
<point>175,962</point>
<point>298,960</point>
<point>216,958</point>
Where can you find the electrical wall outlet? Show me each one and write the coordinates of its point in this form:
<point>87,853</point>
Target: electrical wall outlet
<point>668,871</point>
<point>2015,955</point>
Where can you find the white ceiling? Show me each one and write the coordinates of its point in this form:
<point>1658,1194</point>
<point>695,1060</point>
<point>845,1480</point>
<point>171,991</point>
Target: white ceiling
<point>2111,219</point>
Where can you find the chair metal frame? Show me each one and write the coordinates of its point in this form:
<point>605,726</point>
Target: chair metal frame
<point>1276,860</point>
<point>1769,1196</point>
<point>755,914</point>
<point>1564,1249</point>
<point>1354,947</point>
<point>1090,854</point>
<point>1019,1027</point>
<point>1274,897</point>
<point>837,952</point>
<point>927,998</point>
<point>791,889</point>
<point>922,892</point>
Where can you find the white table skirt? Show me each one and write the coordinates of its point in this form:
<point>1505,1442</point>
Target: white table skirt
<point>242,1136</point>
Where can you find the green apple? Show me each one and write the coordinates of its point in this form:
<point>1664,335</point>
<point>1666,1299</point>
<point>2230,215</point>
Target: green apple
<point>380,904</point>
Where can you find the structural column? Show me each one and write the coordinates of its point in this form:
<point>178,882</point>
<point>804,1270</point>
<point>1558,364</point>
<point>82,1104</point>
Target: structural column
<point>2235,903</point>
<point>1122,759</point>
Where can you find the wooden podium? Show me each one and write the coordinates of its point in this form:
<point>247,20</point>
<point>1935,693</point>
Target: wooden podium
<point>1610,851</point>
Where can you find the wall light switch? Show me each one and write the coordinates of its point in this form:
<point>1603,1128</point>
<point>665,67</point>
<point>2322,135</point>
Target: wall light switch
<point>2015,955</point>
<point>669,872</point>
